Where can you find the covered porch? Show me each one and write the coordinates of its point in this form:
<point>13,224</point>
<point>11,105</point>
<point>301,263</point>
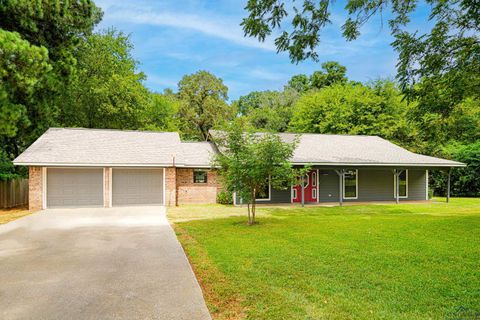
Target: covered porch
<point>365,184</point>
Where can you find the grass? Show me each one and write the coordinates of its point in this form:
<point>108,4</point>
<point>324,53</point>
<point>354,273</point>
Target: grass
<point>407,261</point>
<point>7,215</point>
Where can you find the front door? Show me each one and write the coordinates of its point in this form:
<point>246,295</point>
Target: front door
<point>311,188</point>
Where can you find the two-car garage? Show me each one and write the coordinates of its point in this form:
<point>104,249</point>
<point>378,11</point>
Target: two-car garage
<point>86,187</point>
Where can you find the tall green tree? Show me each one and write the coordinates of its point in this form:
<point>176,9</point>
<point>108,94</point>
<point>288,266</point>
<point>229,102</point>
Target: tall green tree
<point>38,44</point>
<point>377,109</point>
<point>108,90</point>
<point>161,113</point>
<point>443,54</point>
<point>22,67</point>
<point>267,110</point>
<point>203,104</point>
<point>332,72</point>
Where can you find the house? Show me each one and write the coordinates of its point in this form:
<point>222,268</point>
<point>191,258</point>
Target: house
<point>101,167</point>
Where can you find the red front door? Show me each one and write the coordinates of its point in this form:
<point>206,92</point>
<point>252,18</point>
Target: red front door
<point>311,188</point>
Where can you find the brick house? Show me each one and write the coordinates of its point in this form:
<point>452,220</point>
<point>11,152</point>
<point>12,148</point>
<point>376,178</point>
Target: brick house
<point>100,167</point>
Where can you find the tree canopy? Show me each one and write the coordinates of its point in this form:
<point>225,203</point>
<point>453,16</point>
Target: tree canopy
<point>203,104</point>
<point>444,54</point>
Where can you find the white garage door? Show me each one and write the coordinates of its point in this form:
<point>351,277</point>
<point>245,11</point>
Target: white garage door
<point>74,187</point>
<point>137,187</point>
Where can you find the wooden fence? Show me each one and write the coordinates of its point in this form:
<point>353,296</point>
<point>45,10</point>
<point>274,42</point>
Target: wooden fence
<point>13,193</point>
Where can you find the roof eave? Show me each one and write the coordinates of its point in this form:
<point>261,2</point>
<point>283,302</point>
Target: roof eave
<point>360,164</point>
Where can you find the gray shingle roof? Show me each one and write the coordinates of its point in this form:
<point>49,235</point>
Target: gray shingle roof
<point>64,146</point>
<point>198,154</point>
<point>89,147</point>
<point>330,149</point>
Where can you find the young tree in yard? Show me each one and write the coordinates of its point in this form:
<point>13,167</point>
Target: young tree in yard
<point>202,104</point>
<point>249,161</point>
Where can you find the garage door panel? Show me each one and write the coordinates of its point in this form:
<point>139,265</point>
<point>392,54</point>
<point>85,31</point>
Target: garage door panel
<point>137,186</point>
<point>69,187</point>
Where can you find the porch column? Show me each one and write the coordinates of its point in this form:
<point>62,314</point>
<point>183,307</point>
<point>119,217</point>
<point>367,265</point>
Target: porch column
<point>341,174</point>
<point>303,191</point>
<point>448,185</point>
<point>396,174</point>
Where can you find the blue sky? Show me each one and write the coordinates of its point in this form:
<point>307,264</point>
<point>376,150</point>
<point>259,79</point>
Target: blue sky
<point>174,38</point>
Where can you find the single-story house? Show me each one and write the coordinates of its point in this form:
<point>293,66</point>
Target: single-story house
<point>72,167</point>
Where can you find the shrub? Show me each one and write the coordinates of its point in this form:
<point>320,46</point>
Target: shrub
<point>224,197</point>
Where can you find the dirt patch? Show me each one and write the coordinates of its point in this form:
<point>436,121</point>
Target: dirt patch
<point>7,215</point>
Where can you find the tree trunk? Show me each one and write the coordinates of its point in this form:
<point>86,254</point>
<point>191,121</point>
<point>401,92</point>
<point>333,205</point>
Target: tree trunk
<point>248,208</point>
<point>253,208</point>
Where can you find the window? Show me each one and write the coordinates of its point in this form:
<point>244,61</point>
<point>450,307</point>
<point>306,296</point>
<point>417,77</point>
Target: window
<point>314,179</point>
<point>314,193</point>
<point>402,185</point>
<point>263,194</point>
<point>350,184</point>
<point>200,176</point>
<point>294,193</point>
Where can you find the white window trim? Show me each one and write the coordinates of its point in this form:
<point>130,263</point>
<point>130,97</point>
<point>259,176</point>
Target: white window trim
<point>294,195</point>
<point>314,178</point>
<point>426,185</point>
<point>356,186</point>
<point>395,186</point>
<point>269,193</point>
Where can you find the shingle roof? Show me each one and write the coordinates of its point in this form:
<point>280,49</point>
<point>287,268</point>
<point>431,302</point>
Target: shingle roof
<point>88,147</point>
<point>353,150</point>
<point>198,154</point>
<point>328,149</point>
<point>64,146</point>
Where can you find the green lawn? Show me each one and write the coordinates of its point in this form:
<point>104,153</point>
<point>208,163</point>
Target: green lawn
<point>412,261</point>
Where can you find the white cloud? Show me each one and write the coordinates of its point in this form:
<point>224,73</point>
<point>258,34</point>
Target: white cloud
<point>226,29</point>
<point>264,74</point>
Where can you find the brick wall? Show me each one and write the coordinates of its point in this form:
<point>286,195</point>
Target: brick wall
<point>190,192</point>
<point>106,187</point>
<point>170,187</point>
<point>35,188</point>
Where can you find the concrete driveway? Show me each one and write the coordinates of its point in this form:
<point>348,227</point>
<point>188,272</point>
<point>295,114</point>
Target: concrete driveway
<point>117,263</point>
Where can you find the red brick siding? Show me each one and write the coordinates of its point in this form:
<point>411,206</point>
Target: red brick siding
<point>190,192</point>
<point>35,188</point>
<point>170,187</point>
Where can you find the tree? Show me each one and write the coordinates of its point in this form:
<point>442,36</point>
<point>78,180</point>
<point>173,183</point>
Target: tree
<point>450,49</point>
<point>108,91</point>
<point>465,181</point>
<point>299,83</point>
<point>332,72</point>
<point>161,113</point>
<point>202,104</point>
<point>22,67</point>
<point>37,46</point>
<point>54,24</point>
<point>249,161</point>
<point>267,110</point>
<point>377,109</point>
